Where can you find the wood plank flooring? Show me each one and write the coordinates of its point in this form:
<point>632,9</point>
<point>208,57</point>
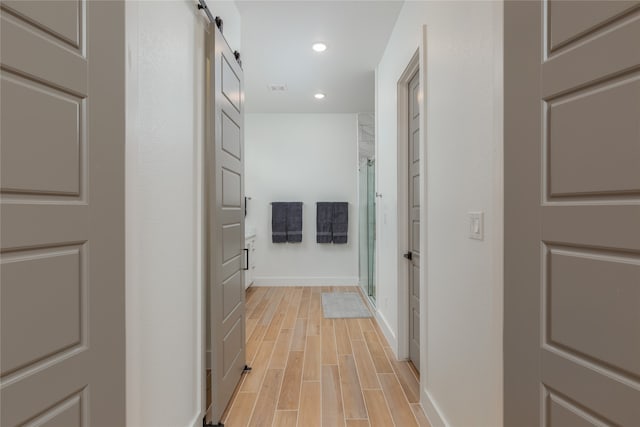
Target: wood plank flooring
<point>309,371</point>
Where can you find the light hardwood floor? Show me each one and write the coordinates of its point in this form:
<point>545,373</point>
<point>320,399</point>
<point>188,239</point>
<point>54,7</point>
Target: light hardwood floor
<point>310,371</point>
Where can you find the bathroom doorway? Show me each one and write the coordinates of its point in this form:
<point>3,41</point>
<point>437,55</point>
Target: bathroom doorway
<point>367,204</point>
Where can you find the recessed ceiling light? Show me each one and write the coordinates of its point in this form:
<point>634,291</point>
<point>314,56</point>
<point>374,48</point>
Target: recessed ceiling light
<point>319,95</point>
<point>319,47</point>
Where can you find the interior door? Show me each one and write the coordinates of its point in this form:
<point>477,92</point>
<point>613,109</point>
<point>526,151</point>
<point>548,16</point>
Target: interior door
<point>62,205</point>
<point>414,221</point>
<point>572,213</point>
<point>225,229</point>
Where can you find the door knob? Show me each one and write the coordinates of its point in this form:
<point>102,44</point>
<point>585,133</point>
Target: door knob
<point>408,255</point>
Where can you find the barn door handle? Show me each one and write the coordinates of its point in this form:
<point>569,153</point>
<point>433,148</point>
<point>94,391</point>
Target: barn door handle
<point>247,258</point>
<point>408,255</point>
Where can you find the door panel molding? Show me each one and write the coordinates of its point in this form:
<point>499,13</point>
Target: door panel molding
<point>62,280</point>
<point>572,213</point>
<point>224,217</point>
<point>64,20</point>
<point>581,23</point>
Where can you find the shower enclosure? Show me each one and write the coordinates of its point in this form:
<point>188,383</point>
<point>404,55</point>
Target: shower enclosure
<point>367,204</point>
<point>367,233</point>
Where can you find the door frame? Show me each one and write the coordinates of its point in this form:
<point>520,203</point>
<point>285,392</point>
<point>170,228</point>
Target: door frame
<point>417,63</point>
<point>205,351</point>
<point>411,69</point>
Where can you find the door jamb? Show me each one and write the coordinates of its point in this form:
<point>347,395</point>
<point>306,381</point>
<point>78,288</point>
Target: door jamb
<point>403,199</point>
<point>205,163</point>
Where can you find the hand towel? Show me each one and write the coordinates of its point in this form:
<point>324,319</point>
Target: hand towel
<point>340,227</point>
<point>324,219</point>
<point>294,222</point>
<point>279,222</point>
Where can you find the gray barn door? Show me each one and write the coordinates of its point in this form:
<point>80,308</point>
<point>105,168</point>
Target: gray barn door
<point>414,221</point>
<point>225,216</point>
<point>62,207</point>
<point>572,213</point>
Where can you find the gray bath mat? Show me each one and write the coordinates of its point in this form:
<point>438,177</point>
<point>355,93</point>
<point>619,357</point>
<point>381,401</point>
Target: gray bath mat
<point>337,305</point>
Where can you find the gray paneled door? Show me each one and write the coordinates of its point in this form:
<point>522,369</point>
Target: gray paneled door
<point>225,220</point>
<point>62,320</point>
<point>572,213</point>
<point>414,221</point>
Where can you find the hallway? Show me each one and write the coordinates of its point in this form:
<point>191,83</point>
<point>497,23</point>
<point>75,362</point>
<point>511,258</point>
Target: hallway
<point>309,371</point>
<point>182,181</point>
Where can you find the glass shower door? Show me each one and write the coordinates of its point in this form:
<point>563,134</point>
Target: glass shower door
<point>367,232</point>
<point>371,226</point>
<point>363,222</point>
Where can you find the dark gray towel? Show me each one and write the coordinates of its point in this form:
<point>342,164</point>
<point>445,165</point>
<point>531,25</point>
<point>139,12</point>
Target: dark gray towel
<point>279,222</point>
<point>294,222</point>
<point>340,227</point>
<point>324,220</point>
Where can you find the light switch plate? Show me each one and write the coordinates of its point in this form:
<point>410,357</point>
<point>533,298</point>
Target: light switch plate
<point>476,225</point>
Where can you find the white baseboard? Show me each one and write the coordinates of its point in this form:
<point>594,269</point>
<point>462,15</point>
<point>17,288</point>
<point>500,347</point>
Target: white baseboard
<point>305,281</point>
<point>372,307</point>
<point>382,322</point>
<point>392,339</point>
<point>197,421</point>
<point>431,410</point>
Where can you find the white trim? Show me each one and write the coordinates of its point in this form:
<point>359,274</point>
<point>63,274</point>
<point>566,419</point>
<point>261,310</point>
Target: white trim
<point>204,358</point>
<point>402,347</point>
<point>196,421</point>
<point>392,339</point>
<point>424,209</point>
<point>498,199</point>
<point>358,206</point>
<point>432,411</point>
<point>418,63</point>
<point>376,186</point>
<point>134,391</point>
<point>306,281</point>
<point>367,299</point>
<point>382,322</point>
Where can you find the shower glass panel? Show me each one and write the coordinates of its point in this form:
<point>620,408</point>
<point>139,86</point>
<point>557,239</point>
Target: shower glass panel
<point>363,222</point>
<point>367,203</point>
<point>371,227</point>
<point>367,231</point>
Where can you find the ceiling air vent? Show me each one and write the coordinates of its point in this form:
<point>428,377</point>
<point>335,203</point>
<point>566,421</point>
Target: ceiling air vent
<point>277,88</point>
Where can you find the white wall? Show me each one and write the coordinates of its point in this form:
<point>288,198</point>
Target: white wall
<point>231,25</point>
<point>165,43</point>
<point>462,362</point>
<point>307,158</point>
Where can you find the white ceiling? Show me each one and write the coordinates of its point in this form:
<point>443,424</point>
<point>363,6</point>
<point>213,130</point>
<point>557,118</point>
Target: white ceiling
<point>276,49</point>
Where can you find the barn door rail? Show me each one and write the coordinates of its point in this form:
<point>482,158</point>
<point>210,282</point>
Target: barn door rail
<point>202,5</point>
